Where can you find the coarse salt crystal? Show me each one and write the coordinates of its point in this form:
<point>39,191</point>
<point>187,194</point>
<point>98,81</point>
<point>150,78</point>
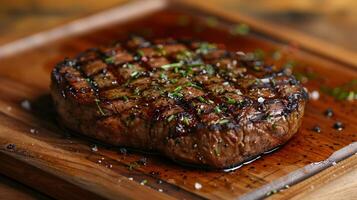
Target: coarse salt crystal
<point>160,190</point>
<point>314,95</point>
<point>25,104</point>
<point>265,80</point>
<point>198,186</point>
<point>32,130</point>
<point>261,99</point>
<point>131,178</point>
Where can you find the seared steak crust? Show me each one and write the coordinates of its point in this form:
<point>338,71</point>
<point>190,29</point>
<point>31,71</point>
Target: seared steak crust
<point>195,102</point>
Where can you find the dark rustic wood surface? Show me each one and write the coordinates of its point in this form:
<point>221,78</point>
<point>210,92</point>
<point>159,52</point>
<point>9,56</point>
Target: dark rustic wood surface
<point>53,150</point>
<point>38,18</point>
<point>330,20</point>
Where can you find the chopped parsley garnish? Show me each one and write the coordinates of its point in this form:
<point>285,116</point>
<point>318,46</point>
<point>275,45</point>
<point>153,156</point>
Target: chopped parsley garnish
<point>97,101</point>
<point>140,53</point>
<point>190,84</point>
<point>125,98</point>
<point>135,74</point>
<point>175,95</point>
<point>177,89</point>
<point>186,120</point>
<point>347,91</point>
<point>170,118</point>
<point>217,150</point>
<point>259,54</point>
<point>205,47</point>
<point>163,76</point>
<point>209,69</point>
<point>223,121</point>
<point>217,109</point>
<point>137,91</point>
<point>184,55</point>
<point>240,29</point>
<point>171,65</point>
<point>109,60</point>
<point>203,100</point>
<point>231,101</point>
<point>160,49</point>
<point>173,80</point>
<point>143,182</point>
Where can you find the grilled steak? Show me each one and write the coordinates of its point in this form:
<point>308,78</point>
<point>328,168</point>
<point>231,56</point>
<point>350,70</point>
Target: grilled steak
<point>194,102</point>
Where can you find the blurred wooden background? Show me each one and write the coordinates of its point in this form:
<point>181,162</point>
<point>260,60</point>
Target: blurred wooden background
<point>334,21</point>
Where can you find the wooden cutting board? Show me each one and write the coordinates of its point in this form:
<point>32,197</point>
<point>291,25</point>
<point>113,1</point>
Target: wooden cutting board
<point>36,150</point>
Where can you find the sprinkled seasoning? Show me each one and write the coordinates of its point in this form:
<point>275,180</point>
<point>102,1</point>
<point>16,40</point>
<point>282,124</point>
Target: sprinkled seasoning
<point>317,129</point>
<point>261,100</point>
<point>198,186</point>
<point>314,95</point>
<point>217,109</point>
<point>338,126</point>
<point>97,101</point>
<point>240,29</point>
<point>94,148</point>
<point>347,91</point>
<point>170,118</point>
<point>231,101</point>
<point>172,65</point>
<point>109,60</point>
<point>223,121</point>
<point>25,104</point>
<point>329,112</point>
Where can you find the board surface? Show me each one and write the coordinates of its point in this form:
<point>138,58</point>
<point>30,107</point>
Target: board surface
<point>64,161</point>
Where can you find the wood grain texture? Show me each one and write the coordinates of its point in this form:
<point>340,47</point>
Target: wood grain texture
<point>337,182</point>
<point>41,143</point>
<point>12,190</point>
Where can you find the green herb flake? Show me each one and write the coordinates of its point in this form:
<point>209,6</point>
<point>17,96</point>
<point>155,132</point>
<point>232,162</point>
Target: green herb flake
<point>160,49</point>
<point>217,150</point>
<point>172,65</point>
<point>259,54</point>
<point>163,76</point>
<point>135,74</point>
<point>205,47</point>
<point>175,95</point>
<point>137,91</point>
<point>210,70</point>
<point>231,101</point>
<point>347,91</point>
<point>190,84</point>
<point>125,98</point>
<point>143,182</point>
<point>173,81</point>
<point>97,101</point>
<point>203,100</point>
<point>223,121</point>
<point>178,88</point>
<point>240,29</point>
<point>170,118</point>
<point>217,109</point>
<point>109,60</point>
<point>133,165</point>
<point>140,53</point>
<point>186,121</point>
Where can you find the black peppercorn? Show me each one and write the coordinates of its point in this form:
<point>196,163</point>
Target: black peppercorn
<point>338,126</point>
